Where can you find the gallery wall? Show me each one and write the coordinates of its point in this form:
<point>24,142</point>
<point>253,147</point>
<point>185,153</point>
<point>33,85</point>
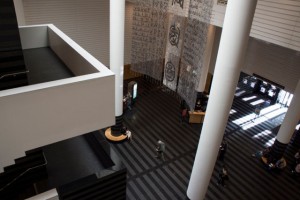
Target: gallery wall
<point>275,21</point>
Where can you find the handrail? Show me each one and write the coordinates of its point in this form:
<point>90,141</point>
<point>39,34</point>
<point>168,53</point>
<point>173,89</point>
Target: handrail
<point>14,74</point>
<point>27,170</point>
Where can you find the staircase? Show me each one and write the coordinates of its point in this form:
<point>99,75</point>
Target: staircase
<point>12,67</point>
<point>17,181</point>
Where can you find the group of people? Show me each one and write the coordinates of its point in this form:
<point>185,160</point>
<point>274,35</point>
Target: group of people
<point>160,146</point>
<point>223,173</point>
<point>268,159</point>
<point>296,165</point>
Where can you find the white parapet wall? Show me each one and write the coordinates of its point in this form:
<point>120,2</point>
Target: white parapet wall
<point>48,195</point>
<point>40,114</point>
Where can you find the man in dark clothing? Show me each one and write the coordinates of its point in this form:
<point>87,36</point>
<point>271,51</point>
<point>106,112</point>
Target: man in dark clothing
<point>160,149</point>
<point>223,175</point>
<point>222,150</point>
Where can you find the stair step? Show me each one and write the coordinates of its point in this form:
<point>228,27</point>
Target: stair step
<point>30,158</point>
<point>24,165</point>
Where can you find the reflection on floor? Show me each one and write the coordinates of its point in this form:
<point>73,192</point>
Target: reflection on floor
<point>156,115</point>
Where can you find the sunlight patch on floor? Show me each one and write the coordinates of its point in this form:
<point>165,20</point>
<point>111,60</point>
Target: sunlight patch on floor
<point>239,93</point>
<point>257,102</point>
<point>268,112</point>
<point>262,134</point>
<point>264,118</point>
<point>270,142</point>
<point>232,111</point>
<point>248,98</point>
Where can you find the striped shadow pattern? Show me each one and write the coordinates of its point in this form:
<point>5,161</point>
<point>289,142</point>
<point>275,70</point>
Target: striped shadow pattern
<point>156,115</point>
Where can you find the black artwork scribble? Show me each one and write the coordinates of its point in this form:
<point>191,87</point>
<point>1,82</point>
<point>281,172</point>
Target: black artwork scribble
<point>174,35</point>
<point>180,2</point>
<point>170,71</point>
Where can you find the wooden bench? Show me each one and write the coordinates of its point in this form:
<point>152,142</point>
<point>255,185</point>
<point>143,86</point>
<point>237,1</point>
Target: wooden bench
<point>196,117</point>
<point>113,138</point>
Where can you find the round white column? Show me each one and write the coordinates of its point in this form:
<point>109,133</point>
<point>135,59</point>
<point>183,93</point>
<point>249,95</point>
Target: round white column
<point>233,44</point>
<point>116,59</point>
<point>291,119</point>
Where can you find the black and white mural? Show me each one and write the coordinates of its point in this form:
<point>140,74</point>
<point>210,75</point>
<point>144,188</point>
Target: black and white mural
<point>174,31</point>
<point>149,37</point>
<point>176,28</point>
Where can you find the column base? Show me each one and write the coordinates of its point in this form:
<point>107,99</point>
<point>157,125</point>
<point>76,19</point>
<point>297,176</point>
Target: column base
<point>296,139</point>
<point>116,129</point>
<point>276,152</point>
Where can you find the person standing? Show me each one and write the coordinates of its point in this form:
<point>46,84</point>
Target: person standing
<point>129,135</point>
<point>183,109</point>
<point>160,149</point>
<point>222,150</point>
<point>257,112</point>
<point>129,100</point>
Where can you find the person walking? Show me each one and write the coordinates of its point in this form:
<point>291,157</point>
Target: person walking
<point>160,149</point>
<point>223,175</point>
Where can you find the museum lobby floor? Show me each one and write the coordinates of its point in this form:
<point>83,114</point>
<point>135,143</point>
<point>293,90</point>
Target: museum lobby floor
<point>156,116</point>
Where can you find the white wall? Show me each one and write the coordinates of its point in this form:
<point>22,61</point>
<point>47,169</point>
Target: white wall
<point>40,114</point>
<point>48,195</point>
<point>85,21</point>
<point>271,61</point>
<point>34,36</point>
<point>19,12</point>
<point>275,21</point>
<point>45,113</point>
<point>278,64</point>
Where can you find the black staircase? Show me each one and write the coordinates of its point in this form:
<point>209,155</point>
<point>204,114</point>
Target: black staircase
<point>111,187</point>
<point>12,67</point>
<point>17,181</point>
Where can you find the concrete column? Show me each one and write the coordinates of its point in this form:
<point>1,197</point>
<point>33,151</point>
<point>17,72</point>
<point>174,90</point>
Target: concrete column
<point>291,119</point>
<point>19,8</point>
<point>233,44</point>
<point>207,56</point>
<point>287,127</point>
<point>117,18</point>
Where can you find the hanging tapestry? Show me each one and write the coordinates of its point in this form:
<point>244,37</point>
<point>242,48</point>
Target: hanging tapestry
<point>179,7</point>
<point>149,37</point>
<point>182,44</point>
<point>194,45</point>
<point>175,34</point>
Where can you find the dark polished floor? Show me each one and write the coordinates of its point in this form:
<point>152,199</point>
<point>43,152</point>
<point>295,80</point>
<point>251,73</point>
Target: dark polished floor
<point>156,115</point>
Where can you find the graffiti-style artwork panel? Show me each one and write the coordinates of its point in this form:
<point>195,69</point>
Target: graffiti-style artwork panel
<point>193,49</point>
<point>201,10</point>
<point>179,7</point>
<point>171,71</point>
<point>186,84</point>
<point>149,37</point>
<point>176,29</point>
